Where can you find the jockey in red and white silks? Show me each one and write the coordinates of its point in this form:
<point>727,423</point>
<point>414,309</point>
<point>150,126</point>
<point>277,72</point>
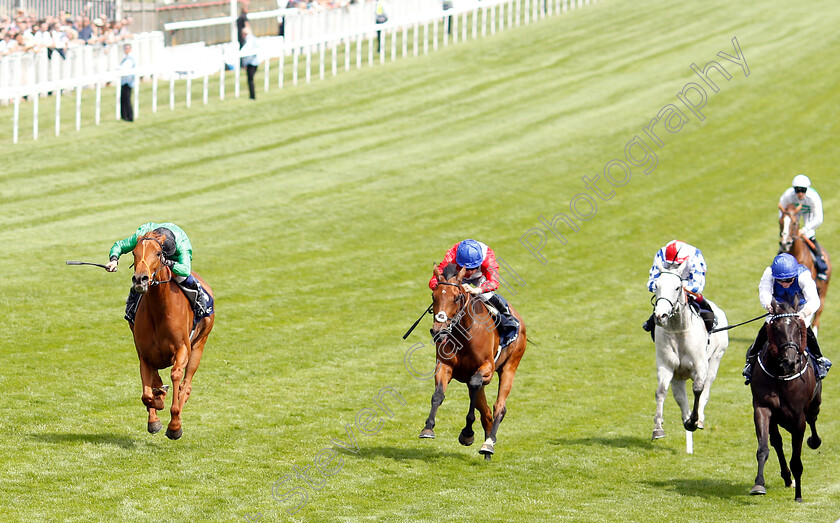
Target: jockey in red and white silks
<point>671,256</point>
<point>678,255</point>
<point>481,278</point>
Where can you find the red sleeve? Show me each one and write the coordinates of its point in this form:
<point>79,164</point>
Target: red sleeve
<point>490,270</point>
<point>449,258</point>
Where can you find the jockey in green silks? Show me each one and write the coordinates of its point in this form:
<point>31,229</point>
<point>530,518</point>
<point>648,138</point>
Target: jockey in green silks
<point>177,252</point>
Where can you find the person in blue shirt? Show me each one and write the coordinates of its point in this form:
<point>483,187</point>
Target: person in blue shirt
<point>786,281</point>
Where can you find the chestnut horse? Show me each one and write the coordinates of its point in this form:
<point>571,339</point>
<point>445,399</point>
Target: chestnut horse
<point>791,242</point>
<point>785,393</point>
<point>466,342</point>
<point>162,333</point>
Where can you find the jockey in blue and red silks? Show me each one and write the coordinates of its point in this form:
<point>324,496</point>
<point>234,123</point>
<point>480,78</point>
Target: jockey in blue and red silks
<point>674,255</point>
<point>481,278</point>
<point>786,281</point>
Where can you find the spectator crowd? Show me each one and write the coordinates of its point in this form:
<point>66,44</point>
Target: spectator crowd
<point>27,32</point>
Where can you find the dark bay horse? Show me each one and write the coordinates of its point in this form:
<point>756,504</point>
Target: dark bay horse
<point>162,333</point>
<point>790,241</point>
<point>466,341</point>
<point>786,394</point>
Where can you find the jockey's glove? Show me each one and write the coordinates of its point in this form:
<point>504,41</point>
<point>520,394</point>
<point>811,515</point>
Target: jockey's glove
<point>472,289</point>
<point>804,313</point>
<point>807,233</point>
<point>169,263</point>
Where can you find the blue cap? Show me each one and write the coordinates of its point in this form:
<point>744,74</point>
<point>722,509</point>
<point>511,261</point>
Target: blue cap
<point>784,266</point>
<point>469,254</point>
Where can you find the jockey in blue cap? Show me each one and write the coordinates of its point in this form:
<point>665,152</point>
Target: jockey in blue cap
<point>481,278</point>
<point>787,281</point>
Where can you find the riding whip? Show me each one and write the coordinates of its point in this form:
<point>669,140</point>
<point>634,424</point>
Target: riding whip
<point>85,263</point>
<point>739,324</point>
<point>427,311</point>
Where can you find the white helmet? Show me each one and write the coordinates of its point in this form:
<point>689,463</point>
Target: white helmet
<point>800,180</point>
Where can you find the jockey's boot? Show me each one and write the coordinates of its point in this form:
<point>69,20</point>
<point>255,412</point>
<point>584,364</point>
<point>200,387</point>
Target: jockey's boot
<point>823,363</point>
<point>819,261</point>
<point>708,319</point>
<point>650,326</point>
<point>507,324</point>
<point>131,304</point>
<point>197,299</point>
<point>752,353</point>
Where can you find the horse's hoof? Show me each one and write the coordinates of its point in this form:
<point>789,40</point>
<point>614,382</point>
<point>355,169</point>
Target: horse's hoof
<point>427,433</point>
<point>701,425</point>
<point>154,427</point>
<point>658,433</point>
<point>466,441</point>
<point>174,434</point>
<point>814,442</point>
<point>798,500</point>
<point>488,447</point>
<point>758,490</point>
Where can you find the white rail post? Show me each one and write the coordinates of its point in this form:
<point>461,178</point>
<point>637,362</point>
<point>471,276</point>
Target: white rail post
<point>16,120</point>
<point>189,90</point>
<point>475,24</point>
<point>57,112</point>
<point>416,36</point>
<point>222,82</point>
<point>206,89</point>
<point>295,59</point>
<point>484,21</point>
<point>518,11</point>
<point>281,68</point>
<point>426,38</point>
<point>98,104</point>
<point>78,107</point>
<point>394,35</point>
<point>493,20</point>
<point>136,96</point>
<point>321,52</point>
<point>404,41</point>
<point>267,74</point>
<point>510,13</point>
<point>382,50</point>
<point>464,26</point>
<point>347,54</point>
<point>35,97</point>
<point>118,87</point>
<point>154,93</point>
<point>308,63</point>
<point>454,27</point>
<point>527,10</point>
<point>237,76</point>
<point>435,32</point>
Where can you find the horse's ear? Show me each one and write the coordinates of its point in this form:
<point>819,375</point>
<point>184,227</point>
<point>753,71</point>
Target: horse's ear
<point>437,273</point>
<point>461,275</point>
<point>774,305</point>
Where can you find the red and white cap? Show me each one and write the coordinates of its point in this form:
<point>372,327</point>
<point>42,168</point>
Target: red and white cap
<point>676,252</point>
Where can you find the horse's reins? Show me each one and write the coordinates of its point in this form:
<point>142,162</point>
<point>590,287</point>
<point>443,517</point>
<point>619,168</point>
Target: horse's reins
<point>788,344</point>
<point>154,281</point>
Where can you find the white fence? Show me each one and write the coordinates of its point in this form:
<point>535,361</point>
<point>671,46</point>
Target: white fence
<point>23,69</point>
<point>419,34</point>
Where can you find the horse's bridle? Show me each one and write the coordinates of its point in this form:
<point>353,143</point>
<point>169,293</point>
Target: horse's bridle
<point>794,218</point>
<point>791,343</point>
<point>153,281</point>
<point>450,322</point>
<point>675,306</point>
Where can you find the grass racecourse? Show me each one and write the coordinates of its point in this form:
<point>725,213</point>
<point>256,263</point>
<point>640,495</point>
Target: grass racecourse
<point>316,213</point>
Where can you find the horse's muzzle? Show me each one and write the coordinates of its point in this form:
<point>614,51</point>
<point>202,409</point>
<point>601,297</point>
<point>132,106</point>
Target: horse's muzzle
<point>140,283</point>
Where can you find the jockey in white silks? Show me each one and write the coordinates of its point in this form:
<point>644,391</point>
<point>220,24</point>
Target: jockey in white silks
<point>669,258</point>
<point>786,281</point>
<point>811,215</point>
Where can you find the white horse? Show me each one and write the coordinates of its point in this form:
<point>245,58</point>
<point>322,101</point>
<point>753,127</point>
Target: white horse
<point>684,350</point>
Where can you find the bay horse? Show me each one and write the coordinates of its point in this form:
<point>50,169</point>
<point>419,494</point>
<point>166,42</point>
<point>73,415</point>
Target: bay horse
<point>684,350</point>
<point>466,342</point>
<point>162,333</point>
<point>790,241</point>
<point>787,394</point>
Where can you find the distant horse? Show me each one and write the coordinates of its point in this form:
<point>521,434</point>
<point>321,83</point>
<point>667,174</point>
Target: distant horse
<point>785,393</point>
<point>682,351</point>
<point>791,242</point>
<point>162,333</point>
<point>466,342</point>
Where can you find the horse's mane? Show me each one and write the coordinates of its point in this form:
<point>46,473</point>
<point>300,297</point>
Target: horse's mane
<point>450,271</point>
